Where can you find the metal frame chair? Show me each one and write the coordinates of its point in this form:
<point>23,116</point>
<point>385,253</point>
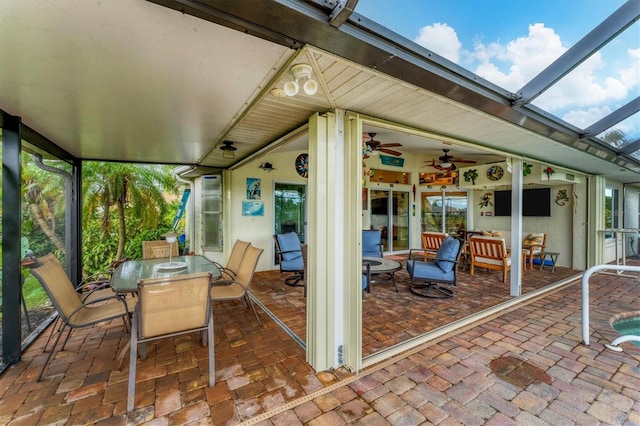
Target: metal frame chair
<point>289,252</point>
<point>228,273</point>
<point>442,269</point>
<point>158,249</point>
<point>73,312</point>
<point>168,307</point>
<point>239,288</point>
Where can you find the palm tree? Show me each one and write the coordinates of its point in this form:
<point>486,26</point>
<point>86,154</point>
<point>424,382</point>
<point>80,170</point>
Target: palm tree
<point>120,186</point>
<point>44,199</point>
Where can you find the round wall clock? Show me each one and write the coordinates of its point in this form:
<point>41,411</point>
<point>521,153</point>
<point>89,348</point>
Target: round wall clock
<point>302,165</point>
<point>495,173</point>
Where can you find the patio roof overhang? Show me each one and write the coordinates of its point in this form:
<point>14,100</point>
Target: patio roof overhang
<point>134,81</point>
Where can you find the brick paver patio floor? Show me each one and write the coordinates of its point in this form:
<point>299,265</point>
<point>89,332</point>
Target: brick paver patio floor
<point>527,366</point>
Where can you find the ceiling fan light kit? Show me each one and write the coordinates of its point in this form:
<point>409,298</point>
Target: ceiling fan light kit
<point>447,162</point>
<point>373,147</point>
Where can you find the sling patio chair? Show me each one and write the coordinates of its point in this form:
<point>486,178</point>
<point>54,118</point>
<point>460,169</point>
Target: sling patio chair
<point>168,307</point>
<point>73,312</point>
<point>158,249</point>
<point>228,273</point>
<point>239,288</point>
<point>93,287</point>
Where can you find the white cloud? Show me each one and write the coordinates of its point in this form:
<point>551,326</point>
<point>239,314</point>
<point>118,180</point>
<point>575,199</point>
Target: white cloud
<point>441,39</point>
<point>586,117</point>
<point>513,65</point>
<point>631,76</point>
<point>523,57</point>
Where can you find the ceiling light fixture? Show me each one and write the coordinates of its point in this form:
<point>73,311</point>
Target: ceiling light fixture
<point>301,71</point>
<point>228,150</point>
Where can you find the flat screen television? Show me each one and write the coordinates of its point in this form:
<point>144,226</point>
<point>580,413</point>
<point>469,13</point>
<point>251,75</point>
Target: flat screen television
<point>535,202</point>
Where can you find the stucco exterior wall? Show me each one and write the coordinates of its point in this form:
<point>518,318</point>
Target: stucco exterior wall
<point>259,230</point>
<point>559,227</point>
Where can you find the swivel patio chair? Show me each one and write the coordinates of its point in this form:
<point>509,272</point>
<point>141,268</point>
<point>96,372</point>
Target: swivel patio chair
<point>289,252</point>
<point>168,307</point>
<point>239,288</point>
<point>372,243</point>
<point>427,275</point>
<point>73,312</point>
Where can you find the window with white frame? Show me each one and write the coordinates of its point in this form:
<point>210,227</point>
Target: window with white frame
<point>211,213</point>
<point>611,213</point>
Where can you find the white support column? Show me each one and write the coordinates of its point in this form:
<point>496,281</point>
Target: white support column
<point>516,227</point>
<point>596,214</point>
<point>353,244</point>
<point>326,241</point>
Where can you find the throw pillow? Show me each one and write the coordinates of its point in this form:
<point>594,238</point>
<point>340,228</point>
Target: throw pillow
<point>533,240</point>
<point>448,250</point>
<point>492,233</point>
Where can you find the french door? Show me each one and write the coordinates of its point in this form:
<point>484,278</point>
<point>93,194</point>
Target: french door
<point>390,213</point>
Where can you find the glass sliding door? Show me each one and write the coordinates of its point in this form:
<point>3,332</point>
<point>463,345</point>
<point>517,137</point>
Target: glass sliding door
<point>290,209</point>
<point>390,213</point>
<point>443,211</point>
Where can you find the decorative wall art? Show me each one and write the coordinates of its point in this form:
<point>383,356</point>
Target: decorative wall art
<point>254,189</point>
<point>495,173</point>
<point>562,197</point>
<point>302,165</point>
<point>252,208</point>
<point>485,200</point>
<point>391,161</point>
<point>471,176</point>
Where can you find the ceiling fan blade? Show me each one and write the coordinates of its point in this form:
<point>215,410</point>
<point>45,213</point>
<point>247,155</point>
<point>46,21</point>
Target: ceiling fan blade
<point>459,160</point>
<point>390,151</point>
<point>390,145</point>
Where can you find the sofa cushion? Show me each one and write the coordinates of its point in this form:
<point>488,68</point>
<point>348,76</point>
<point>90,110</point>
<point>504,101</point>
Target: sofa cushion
<point>448,250</point>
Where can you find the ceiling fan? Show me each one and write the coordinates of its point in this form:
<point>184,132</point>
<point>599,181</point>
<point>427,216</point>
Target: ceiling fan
<point>447,162</point>
<point>373,145</point>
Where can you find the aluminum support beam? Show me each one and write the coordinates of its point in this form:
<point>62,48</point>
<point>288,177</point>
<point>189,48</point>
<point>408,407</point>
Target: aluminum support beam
<point>620,20</point>
<point>11,235</point>
<point>614,118</point>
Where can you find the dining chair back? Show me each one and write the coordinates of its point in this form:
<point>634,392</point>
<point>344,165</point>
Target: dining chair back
<point>167,307</point>
<point>72,310</point>
<point>239,288</point>
<point>158,249</point>
<point>228,272</point>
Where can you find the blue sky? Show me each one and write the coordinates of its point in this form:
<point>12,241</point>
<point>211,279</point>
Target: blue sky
<point>509,42</point>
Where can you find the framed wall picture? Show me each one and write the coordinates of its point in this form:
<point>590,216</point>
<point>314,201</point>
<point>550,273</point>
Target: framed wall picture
<point>254,189</point>
<point>252,208</point>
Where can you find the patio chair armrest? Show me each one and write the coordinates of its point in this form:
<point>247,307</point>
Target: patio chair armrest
<point>101,299</point>
<point>445,260</point>
<point>218,283</point>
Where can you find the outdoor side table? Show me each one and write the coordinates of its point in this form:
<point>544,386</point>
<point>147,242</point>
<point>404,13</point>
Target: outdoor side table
<point>553,258</point>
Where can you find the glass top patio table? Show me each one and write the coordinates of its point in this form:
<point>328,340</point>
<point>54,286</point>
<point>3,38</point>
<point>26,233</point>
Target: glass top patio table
<point>126,276</point>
